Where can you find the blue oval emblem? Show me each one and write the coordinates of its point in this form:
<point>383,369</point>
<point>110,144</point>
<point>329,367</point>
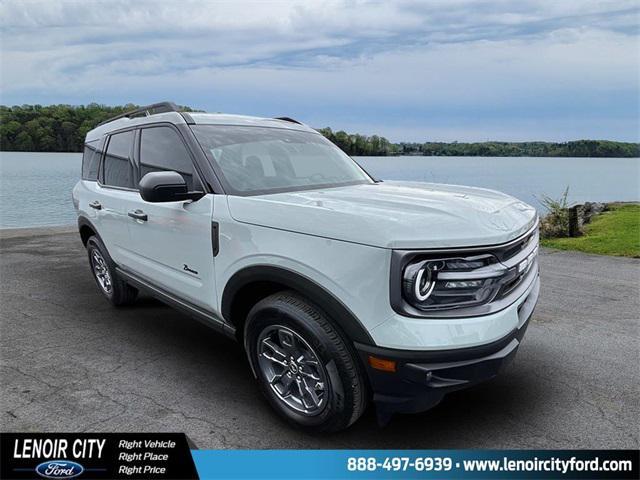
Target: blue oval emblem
<point>59,469</point>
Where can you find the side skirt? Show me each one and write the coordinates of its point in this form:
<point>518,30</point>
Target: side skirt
<point>203,316</point>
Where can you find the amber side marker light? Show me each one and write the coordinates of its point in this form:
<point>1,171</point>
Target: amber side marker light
<point>381,364</point>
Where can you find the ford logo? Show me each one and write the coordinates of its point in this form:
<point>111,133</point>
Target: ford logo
<point>59,469</point>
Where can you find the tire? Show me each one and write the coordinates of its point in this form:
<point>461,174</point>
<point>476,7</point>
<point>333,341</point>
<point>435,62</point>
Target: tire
<point>302,332</point>
<point>116,290</point>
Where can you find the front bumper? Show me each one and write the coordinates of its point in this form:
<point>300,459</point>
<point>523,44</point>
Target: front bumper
<point>422,378</point>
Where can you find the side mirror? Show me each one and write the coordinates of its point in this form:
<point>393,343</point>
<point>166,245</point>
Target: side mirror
<point>166,187</point>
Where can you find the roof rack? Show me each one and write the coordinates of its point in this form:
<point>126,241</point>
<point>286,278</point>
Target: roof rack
<point>288,119</point>
<point>145,111</point>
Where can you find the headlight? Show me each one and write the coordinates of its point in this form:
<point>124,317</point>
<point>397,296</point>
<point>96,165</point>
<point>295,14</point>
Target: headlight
<point>442,283</point>
<point>461,282</point>
<point>420,278</point>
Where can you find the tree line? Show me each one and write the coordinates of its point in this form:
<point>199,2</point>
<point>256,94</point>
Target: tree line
<point>360,145</point>
<point>62,128</point>
<point>577,148</point>
<point>51,128</point>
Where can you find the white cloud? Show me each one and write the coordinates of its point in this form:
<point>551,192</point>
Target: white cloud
<point>335,62</point>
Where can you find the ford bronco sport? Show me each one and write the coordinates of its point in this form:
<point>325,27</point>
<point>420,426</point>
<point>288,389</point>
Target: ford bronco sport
<point>342,289</point>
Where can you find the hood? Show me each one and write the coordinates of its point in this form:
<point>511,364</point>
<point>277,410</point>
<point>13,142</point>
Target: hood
<point>399,215</point>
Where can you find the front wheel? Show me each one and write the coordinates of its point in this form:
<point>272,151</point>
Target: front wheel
<point>303,365</point>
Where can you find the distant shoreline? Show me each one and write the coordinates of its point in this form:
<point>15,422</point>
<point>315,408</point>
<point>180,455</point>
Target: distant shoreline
<point>62,128</point>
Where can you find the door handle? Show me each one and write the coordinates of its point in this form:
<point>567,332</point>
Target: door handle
<point>96,204</point>
<point>138,215</point>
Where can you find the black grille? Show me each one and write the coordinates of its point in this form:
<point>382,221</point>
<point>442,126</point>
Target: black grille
<point>507,288</point>
<point>509,251</point>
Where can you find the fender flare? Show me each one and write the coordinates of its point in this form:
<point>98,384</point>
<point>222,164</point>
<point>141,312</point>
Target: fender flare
<point>85,222</point>
<point>338,311</point>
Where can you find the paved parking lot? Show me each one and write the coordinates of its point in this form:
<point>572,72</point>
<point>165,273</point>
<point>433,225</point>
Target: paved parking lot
<point>71,362</point>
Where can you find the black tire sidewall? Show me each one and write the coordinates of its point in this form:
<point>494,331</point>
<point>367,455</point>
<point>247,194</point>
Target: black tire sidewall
<point>339,408</point>
<point>94,243</point>
<point>121,294</point>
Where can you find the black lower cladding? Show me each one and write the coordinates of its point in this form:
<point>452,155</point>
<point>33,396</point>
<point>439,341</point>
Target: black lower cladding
<point>423,378</point>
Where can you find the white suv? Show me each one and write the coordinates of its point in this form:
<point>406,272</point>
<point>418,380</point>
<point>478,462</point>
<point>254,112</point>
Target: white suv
<point>341,288</point>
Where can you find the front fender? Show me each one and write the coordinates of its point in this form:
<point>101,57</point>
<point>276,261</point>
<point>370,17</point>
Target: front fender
<point>302,284</point>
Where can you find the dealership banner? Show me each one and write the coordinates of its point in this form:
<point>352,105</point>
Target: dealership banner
<point>96,455</point>
<point>173,456</point>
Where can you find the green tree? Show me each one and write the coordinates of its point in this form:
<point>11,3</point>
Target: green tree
<point>23,142</point>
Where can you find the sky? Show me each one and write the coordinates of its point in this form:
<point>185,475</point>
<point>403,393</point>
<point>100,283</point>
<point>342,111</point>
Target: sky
<point>408,70</point>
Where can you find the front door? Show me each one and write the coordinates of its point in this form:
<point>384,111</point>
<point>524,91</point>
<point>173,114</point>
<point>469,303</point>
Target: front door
<point>171,242</point>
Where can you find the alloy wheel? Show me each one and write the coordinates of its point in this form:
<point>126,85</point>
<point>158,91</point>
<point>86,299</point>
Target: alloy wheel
<point>101,272</point>
<point>293,370</point>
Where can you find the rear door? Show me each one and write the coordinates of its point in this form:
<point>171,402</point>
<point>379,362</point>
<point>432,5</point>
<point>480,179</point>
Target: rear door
<point>172,247</point>
<point>112,193</point>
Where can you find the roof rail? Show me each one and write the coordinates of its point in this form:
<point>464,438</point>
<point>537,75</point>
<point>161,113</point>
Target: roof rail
<point>145,111</point>
<point>288,119</point>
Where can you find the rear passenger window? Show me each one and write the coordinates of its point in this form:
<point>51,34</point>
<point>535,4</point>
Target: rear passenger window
<point>118,171</point>
<point>90,161</point>
<point>162,149</point>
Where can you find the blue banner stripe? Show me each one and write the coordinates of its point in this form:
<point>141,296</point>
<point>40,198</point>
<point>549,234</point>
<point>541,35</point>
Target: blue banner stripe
<point>409,464</point>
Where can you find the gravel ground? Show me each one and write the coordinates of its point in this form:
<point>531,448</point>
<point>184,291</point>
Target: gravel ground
<point>71,362</point>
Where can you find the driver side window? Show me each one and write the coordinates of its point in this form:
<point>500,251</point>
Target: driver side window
<point>162,149</point>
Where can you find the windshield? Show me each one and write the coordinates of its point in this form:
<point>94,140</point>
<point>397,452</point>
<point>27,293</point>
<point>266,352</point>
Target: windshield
<point>269,160</point>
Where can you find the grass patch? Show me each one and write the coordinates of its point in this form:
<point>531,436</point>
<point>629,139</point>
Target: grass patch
<point>615,232</point>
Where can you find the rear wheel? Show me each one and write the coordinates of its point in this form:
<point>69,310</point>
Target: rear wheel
<point>303,365</point>
<point>116,290</point>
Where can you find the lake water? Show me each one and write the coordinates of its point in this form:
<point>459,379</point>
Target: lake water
<point>35,188</point>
